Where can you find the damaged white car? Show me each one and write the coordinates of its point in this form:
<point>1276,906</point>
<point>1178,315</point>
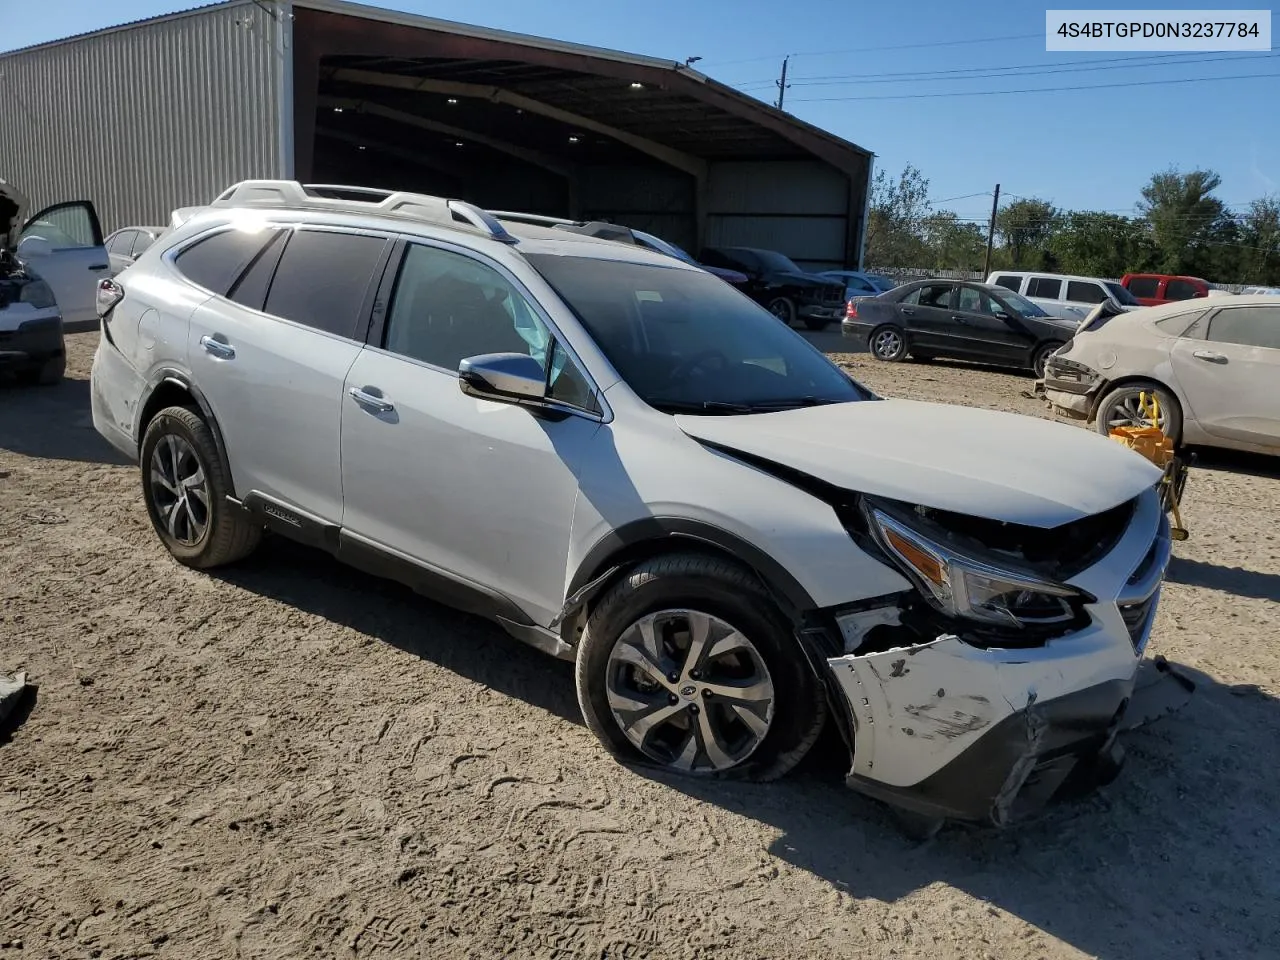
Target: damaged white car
<point>49,267</point>
<point>629,464</point>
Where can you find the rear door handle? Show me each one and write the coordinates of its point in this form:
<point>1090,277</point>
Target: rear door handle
<point>366,399</point>
<point>1210,356</point>
<point>100,266</point>
<point>959,319</point>
<point>223,351</point>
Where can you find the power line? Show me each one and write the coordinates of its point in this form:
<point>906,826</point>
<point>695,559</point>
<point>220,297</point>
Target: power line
<point>996,93</point>
<point>967,196</point>
<point>901,46</point>
<point>989,73</point>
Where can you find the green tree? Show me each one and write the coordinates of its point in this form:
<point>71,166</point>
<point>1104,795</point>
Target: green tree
<point>1259,250</point>
<point>1101,244</point>
<point>894,222</point>
<point>1024,228</point>
<point>952,244</point>
<point>1186,219</point>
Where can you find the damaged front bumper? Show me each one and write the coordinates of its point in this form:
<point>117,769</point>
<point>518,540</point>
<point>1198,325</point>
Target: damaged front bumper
<point>948,729</point>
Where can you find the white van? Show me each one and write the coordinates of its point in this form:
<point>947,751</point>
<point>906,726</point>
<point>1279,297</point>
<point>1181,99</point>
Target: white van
<point>1060,295</point>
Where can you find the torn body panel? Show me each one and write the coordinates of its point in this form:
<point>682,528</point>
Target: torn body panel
<point>948,727</point>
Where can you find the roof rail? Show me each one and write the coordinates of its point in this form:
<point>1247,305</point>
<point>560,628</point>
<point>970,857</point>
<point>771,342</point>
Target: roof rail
<point>456,214</point>
<point>588,228</point>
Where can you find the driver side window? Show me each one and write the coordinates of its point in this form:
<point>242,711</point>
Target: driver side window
<point>447,307</point>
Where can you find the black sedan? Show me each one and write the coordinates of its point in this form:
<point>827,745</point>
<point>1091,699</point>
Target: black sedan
<point>947,318</point>
<point>776,283</point>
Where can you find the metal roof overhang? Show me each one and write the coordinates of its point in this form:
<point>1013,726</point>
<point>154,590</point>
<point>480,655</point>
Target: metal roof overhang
<point>525,96</point>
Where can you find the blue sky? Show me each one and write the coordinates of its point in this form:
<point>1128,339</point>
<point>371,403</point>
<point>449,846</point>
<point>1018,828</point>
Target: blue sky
<point>1081,149</point>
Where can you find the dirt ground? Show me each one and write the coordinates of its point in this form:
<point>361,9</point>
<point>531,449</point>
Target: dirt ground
<point>290,759</point>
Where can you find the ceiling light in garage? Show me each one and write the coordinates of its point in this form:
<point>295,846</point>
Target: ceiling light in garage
<point>637,86</point>
<point>361,147</point>
<point>337,109</point>
<point>573,139</point>
<point>453,100</point>
<point>457,143</point>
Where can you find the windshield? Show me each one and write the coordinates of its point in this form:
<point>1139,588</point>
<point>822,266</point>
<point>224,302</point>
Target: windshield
<point>1021,304</point>
<point>684,340</point>
<point>1123,296</point>
<point>773,260</point>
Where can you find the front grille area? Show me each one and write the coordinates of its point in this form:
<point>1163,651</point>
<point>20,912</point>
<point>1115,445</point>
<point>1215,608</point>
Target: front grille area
<point>831,295</point>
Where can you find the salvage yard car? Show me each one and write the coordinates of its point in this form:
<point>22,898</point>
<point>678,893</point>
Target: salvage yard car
<point>961,320</point>
<point>627,463</point>
<point>1212,364</point>
<point>48,268</point>
<point>775,282</point>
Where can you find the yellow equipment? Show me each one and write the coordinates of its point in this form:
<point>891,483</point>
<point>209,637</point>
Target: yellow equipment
<point>1150,441</point>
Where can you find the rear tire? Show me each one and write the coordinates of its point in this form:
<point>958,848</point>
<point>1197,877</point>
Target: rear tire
<point>1041,357</point>
<point>662,716</point>
<point>1119,407</point>
<point>185,487</point>
<point>48,374</point>
<point>888,343</point>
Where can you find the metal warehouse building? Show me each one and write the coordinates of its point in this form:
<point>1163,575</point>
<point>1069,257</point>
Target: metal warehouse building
<point>163,113</point>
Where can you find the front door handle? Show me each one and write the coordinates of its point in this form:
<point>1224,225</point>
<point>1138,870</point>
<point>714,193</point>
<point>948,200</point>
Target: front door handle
<point>223,351</point>
<point>100,266</point>
<point>959,319</point>
<point>908,311</point>
<point>1210,356</point>
<point>366,399</point>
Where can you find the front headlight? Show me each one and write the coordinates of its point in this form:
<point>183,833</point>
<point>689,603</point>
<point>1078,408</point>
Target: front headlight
<point>37,293</point>
<point>961,586</point>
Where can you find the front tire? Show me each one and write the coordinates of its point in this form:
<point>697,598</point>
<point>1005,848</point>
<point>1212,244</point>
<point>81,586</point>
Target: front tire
<point>888,343</point>
<point>185,488</point>
<point>1122,407</point>
<point>687,666</point>
<point>784,309</point>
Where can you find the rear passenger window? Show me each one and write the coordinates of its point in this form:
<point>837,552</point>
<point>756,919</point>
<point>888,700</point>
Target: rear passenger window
<point>322,279</point>
<point>1046,288</point>
<point>215,262</point>
<point>121,243</point>
<point>1009,282</point>
<point>140,244</point>
<point>1078,291</point>
<point>1247,326</point>
<point>1146,287</point>
<point>1180,290</point>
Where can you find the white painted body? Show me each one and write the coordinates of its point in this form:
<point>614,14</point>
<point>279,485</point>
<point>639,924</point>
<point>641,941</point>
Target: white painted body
<point>498,497</point>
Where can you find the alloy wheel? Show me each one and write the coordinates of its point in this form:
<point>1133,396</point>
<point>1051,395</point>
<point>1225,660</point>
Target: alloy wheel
<point>179,490</point>
<point>1127,412</point>
<point>887,343</point>
<point>690,691</point>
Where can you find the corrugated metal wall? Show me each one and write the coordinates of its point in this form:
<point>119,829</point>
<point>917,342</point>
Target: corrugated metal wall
<point>800,208</point>
<point>658,200</point>
<point>145,119</point>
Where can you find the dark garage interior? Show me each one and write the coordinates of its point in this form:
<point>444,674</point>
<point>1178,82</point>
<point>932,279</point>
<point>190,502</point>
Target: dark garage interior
<point>517,123</point>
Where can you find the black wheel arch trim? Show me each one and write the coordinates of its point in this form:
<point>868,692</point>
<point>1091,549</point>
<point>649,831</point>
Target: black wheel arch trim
<point>178,379</point>
<point>607,558</point>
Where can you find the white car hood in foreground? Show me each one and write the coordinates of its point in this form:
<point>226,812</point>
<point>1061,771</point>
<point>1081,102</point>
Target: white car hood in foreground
<point>1000,466</point>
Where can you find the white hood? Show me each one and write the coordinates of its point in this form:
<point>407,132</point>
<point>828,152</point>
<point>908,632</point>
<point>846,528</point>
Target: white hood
<point>11,224</point>
<point>1000,466</point>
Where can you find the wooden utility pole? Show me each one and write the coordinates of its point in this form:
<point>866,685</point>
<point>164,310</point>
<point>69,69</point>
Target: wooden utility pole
<point>782,83</point>
<point>991,232</point>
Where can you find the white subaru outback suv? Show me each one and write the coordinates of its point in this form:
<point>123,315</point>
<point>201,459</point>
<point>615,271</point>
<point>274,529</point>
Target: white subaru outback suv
<point>627,463</point>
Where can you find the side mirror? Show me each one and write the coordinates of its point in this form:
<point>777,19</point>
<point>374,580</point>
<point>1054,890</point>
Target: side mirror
<point>510,377</point>
<point>34,247</point>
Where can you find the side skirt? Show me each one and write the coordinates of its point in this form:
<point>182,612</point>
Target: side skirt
<point>381,561</point>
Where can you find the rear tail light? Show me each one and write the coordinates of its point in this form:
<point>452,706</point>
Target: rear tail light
<point>109,294</point>
<point>851,311</point>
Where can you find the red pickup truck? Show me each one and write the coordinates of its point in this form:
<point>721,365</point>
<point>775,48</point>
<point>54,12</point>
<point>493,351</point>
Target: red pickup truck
<point>1153,289</point>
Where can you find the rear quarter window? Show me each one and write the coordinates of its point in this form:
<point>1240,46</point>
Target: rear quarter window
<point>215,262</point>
<point>1009,282</point>
<point>1179,325</point>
